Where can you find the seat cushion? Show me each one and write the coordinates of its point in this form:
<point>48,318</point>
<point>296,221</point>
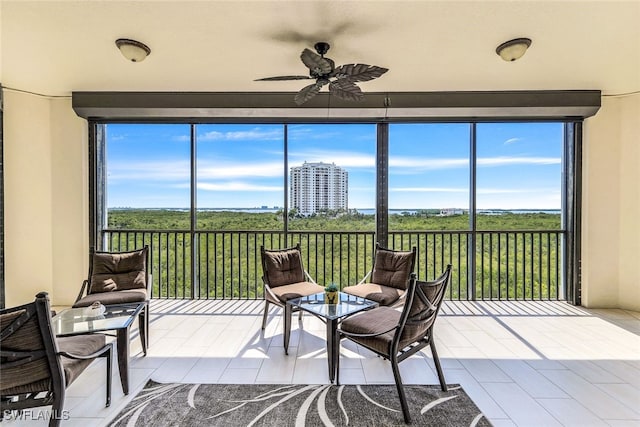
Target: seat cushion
<point>81,345</point>
<point>373,321</point>
<point>296,290</point>
<point>392,268</point>
<point>383,295</point>
<point>115,271</point>
<point>119,297</point>
<point>283,267</point>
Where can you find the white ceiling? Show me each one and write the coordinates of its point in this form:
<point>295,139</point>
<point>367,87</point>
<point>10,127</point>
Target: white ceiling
<point>56,47</point>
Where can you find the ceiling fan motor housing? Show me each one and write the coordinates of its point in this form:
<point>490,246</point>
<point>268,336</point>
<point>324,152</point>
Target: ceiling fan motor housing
<point>322,47</point>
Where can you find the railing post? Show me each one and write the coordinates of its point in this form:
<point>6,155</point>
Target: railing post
<point>195,282</point>
<point>471,243</point>
<point>382,185</point>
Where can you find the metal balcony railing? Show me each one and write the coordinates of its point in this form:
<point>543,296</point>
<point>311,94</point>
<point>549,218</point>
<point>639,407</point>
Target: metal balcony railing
<point>503,265</point>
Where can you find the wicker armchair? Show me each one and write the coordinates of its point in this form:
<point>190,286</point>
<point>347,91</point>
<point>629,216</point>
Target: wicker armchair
<point>387,282</point>
<point>395,335</point>
<point>284,279</point>
<point>35,366</point>
<point>119,278</point>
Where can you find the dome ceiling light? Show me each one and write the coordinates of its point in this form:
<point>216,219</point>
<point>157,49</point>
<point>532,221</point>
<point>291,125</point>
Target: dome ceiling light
<point>133,50</point>
<point>513,49</point>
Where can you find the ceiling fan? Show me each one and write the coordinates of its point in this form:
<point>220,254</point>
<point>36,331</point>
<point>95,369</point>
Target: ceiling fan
<point>341,80</point>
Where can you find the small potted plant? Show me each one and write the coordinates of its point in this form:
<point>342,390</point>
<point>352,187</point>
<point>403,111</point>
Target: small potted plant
<point>331,293</point>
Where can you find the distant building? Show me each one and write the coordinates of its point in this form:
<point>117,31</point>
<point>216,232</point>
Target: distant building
<point>319,186</point>
<point>451,211</point>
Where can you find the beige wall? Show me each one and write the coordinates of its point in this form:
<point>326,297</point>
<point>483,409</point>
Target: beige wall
<point>46,238</point>
<point>611,205</point>
<point>45,198</point>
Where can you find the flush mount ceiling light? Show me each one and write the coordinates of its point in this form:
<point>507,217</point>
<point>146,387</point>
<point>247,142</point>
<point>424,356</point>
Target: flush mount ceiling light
<point>513,49</point>
<point>133,50</point>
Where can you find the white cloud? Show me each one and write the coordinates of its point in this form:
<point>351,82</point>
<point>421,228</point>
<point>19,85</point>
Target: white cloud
<point>466,190</point>
<point>512,141</point>
<point>344,159</point>
<point>179,170</point>
<point>504,161</point>
<point>428,190</point>
<point>149,171</point>
<point>235,170</point>
<point>253,134</point>
<point>514,190</point>
<point>425,163</point>
<point>236,186</point>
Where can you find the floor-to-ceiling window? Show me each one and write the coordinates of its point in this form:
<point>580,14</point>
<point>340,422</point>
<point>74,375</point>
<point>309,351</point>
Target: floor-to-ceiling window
<point>429,197</point>
<point>239,205</point>
<point>518,210</point>
<point>484,197</point>
<point>332,197</point>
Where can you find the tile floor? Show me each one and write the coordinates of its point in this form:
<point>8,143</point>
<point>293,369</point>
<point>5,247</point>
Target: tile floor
<point>522,363</point>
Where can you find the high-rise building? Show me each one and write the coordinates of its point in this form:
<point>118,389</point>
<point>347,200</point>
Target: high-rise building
<point>319,186</point>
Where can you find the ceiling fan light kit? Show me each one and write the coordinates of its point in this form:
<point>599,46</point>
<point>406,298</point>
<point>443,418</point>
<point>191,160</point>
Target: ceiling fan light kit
<point>513,49</point>
<point>341,80</point>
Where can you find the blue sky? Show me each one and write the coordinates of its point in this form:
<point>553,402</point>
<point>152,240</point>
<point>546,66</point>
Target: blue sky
<point>241,166</point>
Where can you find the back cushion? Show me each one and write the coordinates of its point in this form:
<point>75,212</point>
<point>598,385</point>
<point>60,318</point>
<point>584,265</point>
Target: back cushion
<point>113,271</point>
<point>392,268</point>
<point>283,267</point>
<point>25,337</point>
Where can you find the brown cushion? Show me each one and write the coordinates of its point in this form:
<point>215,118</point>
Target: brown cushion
<point>392,268</point>
<point>81,345</point>
<point>371,322</point>
<point>125,270</point>
<point>296,290</point>
<point>29,377</point>
<point>283,267</point>
<point>120,297</point>
<point>421,313</point>
<point>383,295</point>
<point>103,285</point>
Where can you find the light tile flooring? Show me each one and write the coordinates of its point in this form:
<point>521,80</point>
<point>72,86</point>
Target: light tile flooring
<point>522,363</point>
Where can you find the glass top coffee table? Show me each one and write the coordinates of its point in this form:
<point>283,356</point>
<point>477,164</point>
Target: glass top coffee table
<point>116,317</point>
<point>332,315</point>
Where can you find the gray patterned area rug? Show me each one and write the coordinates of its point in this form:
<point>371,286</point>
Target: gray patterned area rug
<point>296,405</point>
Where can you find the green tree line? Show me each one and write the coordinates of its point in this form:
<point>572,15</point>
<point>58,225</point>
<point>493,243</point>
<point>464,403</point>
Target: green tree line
<point>338,248</point>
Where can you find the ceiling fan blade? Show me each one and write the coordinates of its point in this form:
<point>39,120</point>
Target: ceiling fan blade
<point>346,89</point>
<point>309,92</point>
<point>316,63</point>
<point>359,72</point>
<point>283,78</point>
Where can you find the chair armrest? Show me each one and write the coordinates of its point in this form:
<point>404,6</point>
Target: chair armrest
<point>353,334</point>
<point>149,285</point>
<point>365,277</point>
<point>85,287</point>
<point>267,290</point>
<point>107,348</point>
<point>309,278</point>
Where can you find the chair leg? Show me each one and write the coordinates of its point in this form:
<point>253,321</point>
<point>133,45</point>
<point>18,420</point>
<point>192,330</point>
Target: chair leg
<point>336,347</point>
<point>56,408</point>
<point>287,326</point>
<point>403,398</point>
<point>108,355</point>
<point>143,327</point>
<point>266,313</point>
<point>436,361</point>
